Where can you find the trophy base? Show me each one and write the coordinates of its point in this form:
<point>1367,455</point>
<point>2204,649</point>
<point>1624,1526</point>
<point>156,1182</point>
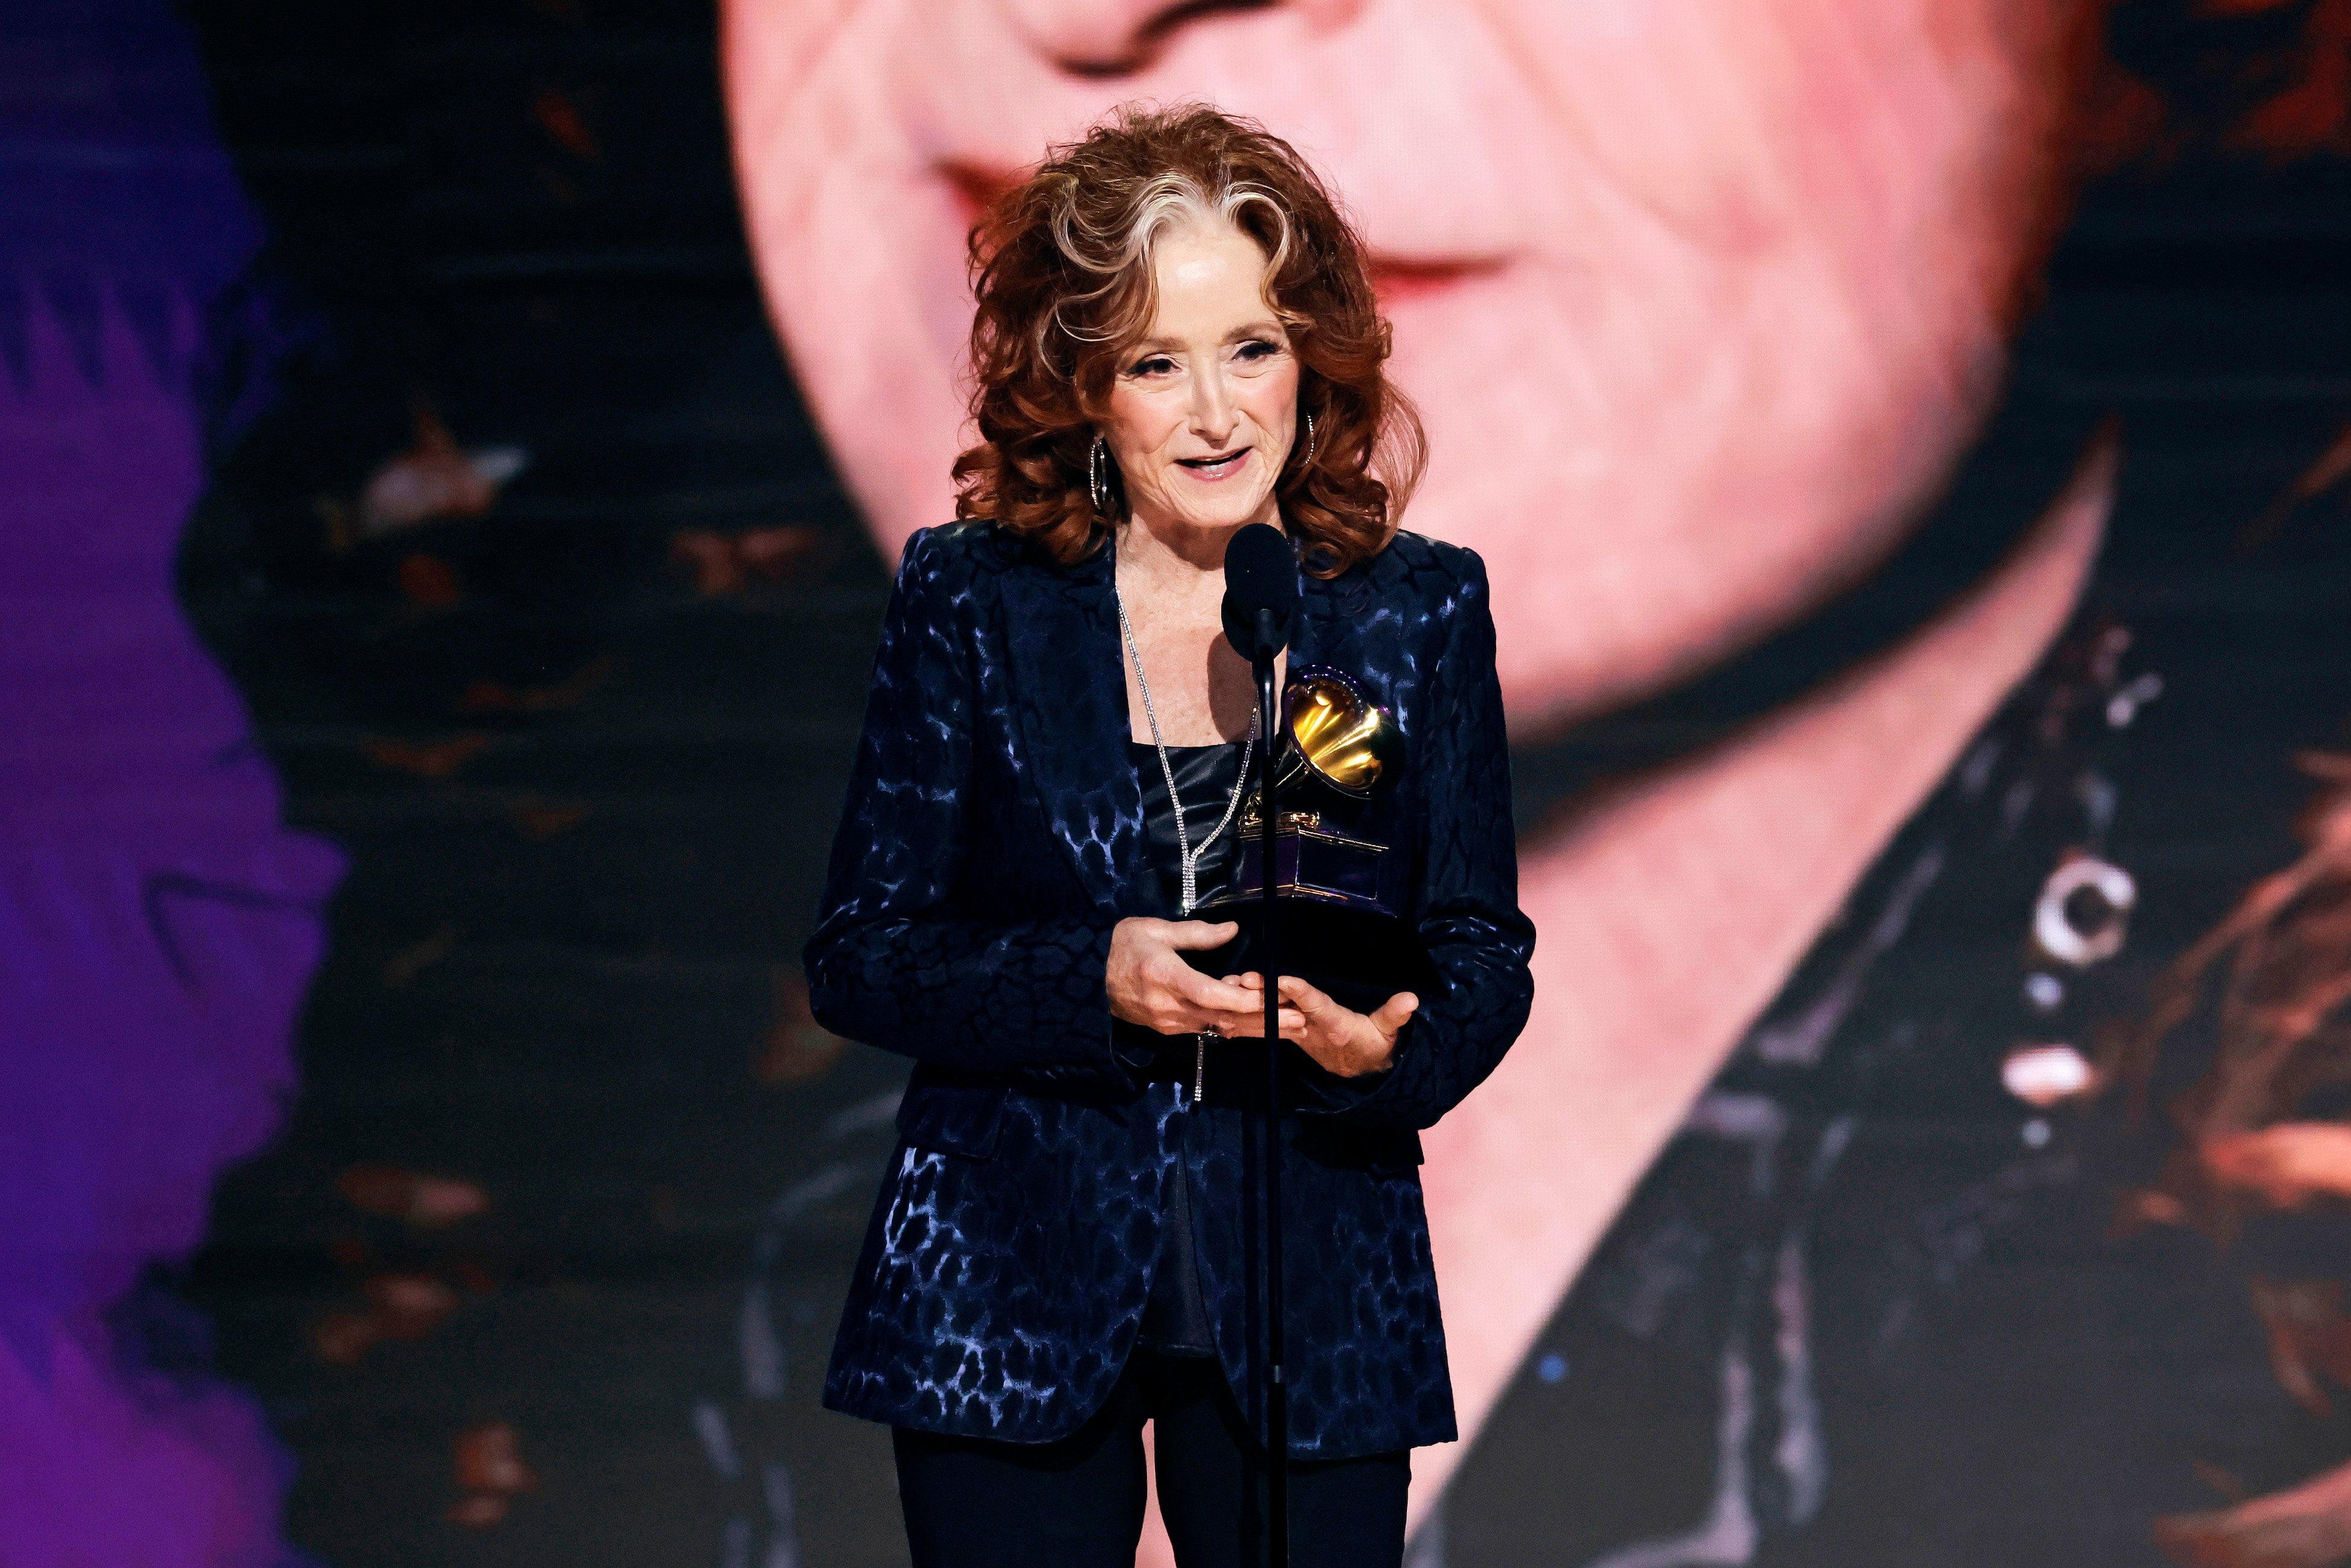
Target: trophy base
<point>1358,958</point>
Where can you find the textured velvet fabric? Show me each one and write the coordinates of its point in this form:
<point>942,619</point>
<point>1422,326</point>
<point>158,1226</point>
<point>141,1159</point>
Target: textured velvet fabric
<point>992,840</point>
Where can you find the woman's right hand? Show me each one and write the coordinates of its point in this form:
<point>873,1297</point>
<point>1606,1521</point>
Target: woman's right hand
<point>1150,984</point>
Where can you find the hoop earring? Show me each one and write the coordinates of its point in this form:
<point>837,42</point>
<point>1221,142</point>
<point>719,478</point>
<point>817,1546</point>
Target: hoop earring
<point>1097,482</point>
<point>1308,461</point>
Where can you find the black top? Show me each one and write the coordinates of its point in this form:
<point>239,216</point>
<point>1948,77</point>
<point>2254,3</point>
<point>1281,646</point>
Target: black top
<point>1204,776</point>
<point>1174,1321</point>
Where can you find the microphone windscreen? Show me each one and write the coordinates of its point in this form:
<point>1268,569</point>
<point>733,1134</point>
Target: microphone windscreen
<point>1260,574</point>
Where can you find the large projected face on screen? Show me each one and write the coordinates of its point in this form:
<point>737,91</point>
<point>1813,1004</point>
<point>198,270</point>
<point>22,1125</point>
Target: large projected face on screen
<point>1697,298</point>
<point>1699,302</point>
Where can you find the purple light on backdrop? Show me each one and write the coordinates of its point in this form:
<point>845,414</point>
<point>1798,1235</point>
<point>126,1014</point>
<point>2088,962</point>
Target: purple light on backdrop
<point>157,923</point>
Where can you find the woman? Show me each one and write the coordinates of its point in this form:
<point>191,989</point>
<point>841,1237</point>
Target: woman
<point>1174,337</point>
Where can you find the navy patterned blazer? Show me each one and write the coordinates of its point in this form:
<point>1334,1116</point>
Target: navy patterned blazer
<point>993,836</point>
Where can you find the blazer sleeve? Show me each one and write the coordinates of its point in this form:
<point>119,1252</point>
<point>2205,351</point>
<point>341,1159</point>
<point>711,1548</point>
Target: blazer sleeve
<point>892,962</point>
<point>1470,917</point>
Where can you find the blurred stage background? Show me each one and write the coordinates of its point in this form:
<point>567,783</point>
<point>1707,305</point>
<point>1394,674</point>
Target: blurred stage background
<point>435,632</point>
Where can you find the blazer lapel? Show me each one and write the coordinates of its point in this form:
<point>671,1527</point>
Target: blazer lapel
<point>1068,684</point>
<point>1328,628</point>
<point>1316,627</point>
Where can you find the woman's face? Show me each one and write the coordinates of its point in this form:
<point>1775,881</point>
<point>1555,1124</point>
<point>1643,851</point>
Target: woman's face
<point>1697,301</point>
<point>1203,409</point>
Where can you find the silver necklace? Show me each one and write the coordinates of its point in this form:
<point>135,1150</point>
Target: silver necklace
<point>1188,857</point>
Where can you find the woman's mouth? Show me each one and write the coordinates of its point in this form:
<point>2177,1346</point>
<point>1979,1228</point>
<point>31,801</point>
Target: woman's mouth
<point>1223,465</point>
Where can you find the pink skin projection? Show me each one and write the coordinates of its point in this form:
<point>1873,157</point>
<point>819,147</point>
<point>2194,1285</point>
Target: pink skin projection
<point>1700,304</point>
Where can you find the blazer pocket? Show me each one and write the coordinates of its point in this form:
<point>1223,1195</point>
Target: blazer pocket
<point>957,1118</point>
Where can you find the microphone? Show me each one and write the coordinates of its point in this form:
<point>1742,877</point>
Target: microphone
<point>1260,591</point>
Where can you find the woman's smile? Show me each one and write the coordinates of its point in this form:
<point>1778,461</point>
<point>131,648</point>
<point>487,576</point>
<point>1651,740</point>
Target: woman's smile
<point>1216,467</point>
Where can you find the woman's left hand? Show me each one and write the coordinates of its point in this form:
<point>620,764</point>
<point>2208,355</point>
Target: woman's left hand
<point>1339,1039</point>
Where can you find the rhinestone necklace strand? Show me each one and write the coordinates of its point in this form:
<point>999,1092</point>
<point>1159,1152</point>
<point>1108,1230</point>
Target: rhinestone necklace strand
<point>1188,857</point>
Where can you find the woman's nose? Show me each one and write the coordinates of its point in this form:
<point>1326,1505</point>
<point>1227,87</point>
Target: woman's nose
<point>1112,36</point>
<point>1213,409</point>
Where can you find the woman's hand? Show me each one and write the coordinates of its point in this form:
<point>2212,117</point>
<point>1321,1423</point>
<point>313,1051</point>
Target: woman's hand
<point>1150,984</point>
<point>1339,1039</point>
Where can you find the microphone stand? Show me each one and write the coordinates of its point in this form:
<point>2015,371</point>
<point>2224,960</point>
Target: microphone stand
<point>1276,1395</point>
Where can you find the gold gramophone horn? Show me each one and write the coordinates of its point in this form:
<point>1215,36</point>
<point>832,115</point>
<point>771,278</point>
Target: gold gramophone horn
<point>1336,734</point>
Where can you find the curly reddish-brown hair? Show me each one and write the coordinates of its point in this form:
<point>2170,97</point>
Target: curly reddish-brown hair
<point>1062,270</point>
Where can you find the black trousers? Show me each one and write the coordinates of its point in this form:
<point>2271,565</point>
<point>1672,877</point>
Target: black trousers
<point>971,1503</point>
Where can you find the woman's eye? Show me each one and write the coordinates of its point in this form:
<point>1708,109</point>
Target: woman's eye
<point>1153,366</point>
<point>1257,349</point>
